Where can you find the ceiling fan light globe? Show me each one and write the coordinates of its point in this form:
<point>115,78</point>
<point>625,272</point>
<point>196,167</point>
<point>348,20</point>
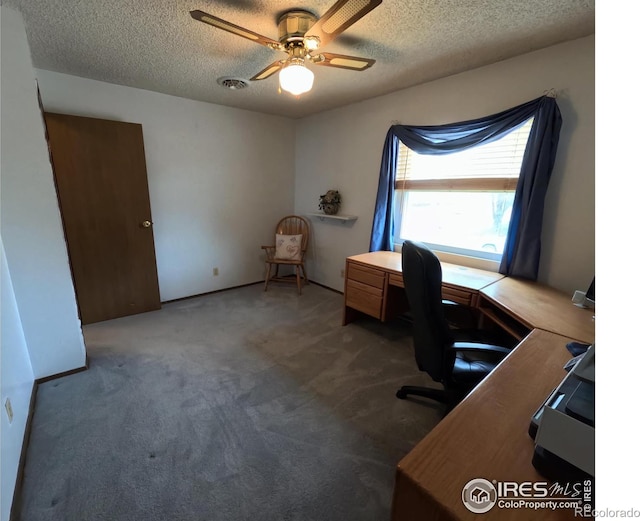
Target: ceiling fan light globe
<point>296,79</point>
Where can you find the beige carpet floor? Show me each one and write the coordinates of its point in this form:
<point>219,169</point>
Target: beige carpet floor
<point>239,405</point>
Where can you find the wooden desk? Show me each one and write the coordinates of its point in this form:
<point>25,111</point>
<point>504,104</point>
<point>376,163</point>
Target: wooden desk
<point>373,285</point>
<point>485,436</point>
<point>513,303</point>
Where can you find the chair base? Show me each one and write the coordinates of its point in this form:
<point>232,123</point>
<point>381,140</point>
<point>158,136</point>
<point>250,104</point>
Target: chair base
<point>439,395</point>
<point>444,396</point>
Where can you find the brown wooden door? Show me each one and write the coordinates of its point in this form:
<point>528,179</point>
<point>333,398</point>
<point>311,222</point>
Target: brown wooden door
<point>101,178</point>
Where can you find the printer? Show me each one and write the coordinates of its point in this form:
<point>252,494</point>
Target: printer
<point>564,426</point>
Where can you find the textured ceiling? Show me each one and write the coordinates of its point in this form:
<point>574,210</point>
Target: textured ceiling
<point>156,45</point>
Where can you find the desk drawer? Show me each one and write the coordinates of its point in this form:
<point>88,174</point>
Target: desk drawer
<point>396,280</point>
<point>364,288</point>
<point>369,276</point>
<point>458,295</point>
<point>364,298</point>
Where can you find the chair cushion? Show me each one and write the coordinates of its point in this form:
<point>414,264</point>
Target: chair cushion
<point>470,370</point>
<point>288,247</point>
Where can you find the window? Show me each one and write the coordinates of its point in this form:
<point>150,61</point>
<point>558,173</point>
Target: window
<point>460,202</point>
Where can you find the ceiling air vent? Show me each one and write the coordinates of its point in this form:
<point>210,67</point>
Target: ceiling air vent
<point>233,83</point>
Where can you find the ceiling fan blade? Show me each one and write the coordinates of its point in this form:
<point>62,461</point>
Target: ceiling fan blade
<point>339,17</point>
<point>209,19</point>
<point>344,62</point>
<point>269,70</point>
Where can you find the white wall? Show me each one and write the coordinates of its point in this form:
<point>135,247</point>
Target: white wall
<point>342,149</point>
<point>30,220</point>
<point>36,242</point>
<point>219,178</point>
<point>210,167</point>
<point>16,382</point>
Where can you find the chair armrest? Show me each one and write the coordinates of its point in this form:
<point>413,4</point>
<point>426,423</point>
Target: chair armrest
<point>478,347</point>
<point>270,252</point>
<point>459,315</point>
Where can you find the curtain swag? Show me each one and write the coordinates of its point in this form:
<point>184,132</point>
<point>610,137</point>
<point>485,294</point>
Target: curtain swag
<point>521,255</point>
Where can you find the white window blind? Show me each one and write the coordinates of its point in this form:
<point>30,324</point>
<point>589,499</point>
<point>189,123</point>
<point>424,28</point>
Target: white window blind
<point>493,166</point>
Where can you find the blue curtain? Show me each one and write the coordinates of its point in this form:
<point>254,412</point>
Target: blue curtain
<point>522,249</point>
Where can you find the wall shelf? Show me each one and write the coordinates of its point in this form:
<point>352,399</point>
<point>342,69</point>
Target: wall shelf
<point>343,218</point>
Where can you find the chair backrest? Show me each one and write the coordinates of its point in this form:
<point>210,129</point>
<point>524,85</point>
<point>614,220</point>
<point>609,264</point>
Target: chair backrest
<point>422,275</point>
<point>294,225</point>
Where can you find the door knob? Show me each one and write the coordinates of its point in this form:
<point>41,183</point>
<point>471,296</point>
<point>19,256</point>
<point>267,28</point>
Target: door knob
<point>146,224</point>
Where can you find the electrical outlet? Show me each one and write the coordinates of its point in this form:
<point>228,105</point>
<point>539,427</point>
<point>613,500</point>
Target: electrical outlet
<point>9,409</point>
<point>215,272</point>
<point>342,274</point>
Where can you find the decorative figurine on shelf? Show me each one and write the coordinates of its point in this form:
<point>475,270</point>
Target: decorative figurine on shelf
<point>330,202</point>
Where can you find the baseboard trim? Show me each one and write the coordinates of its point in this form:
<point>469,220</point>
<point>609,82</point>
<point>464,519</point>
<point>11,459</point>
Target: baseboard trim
<point>65,373</point>
<point>326,287</point>
<point>14,512</point>
<point>211,292</point>
<point>244,286</point>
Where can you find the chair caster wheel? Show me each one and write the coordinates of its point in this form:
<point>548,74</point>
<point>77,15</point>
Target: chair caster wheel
<point>401,394</point>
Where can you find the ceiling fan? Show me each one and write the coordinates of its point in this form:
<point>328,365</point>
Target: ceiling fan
<point>300,35</point>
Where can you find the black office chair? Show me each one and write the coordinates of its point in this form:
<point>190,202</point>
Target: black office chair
<point>459,358</point>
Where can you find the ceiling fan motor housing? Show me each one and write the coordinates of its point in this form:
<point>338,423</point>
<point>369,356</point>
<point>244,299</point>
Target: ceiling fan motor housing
<point>293,25</point>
